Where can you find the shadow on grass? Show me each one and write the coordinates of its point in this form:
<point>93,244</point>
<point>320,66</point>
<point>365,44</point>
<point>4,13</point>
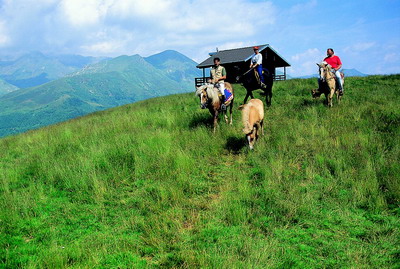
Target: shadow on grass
<point>234,144</point>
<point>203,119</point>
<point>310,102</point>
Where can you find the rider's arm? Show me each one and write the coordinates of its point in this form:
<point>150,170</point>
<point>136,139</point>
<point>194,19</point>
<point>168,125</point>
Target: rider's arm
<point>223,74</point>
<point>339,63</point>
<point>337,68</point>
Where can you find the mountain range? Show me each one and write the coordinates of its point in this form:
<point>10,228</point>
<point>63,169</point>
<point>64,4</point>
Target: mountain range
<point>35,68</point>
<point>97,86</point>
<point>347,72</point>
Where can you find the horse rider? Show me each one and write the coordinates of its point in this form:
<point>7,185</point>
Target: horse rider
<point>335,62</point>
<point>218,74</point>
<point>256,63</point>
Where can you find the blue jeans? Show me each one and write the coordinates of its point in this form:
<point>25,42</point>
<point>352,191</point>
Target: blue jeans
<point>338,80</point>
<point>260,73</point>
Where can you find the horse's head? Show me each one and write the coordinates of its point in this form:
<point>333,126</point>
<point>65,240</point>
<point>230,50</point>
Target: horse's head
<point>202,92</point>
<point>324,69</point>
<point>251,131</point>
<point>252,137</point>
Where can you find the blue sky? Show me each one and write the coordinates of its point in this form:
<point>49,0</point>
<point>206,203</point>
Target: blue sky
<point>365,34</point>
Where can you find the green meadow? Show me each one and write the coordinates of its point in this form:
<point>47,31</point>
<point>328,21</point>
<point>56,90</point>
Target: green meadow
<point>148,185</point>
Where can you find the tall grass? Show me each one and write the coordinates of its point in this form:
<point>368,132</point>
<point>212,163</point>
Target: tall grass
<point>149,185</point>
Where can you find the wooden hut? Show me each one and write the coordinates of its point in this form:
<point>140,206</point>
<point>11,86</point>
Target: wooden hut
<point>237,61</point>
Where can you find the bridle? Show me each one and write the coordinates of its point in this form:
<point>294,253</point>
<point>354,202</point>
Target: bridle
<point>207,99</point>
<point>326,71</point>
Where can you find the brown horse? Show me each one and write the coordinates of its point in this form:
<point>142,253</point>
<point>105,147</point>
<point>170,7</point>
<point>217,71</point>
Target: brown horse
<point>328,85</point>
<point>250,83</point>
<point>209,98</point>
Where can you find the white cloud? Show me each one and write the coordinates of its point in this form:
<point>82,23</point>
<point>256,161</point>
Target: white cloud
<point>305,63</point>
<point>132,26</point>
<point>359,47</point>
<point>193,27</point>
<point>4,39</point>
<point>392,58</point>
<point>106,47</point>
<point>86,12</point>
<point>304,6</point>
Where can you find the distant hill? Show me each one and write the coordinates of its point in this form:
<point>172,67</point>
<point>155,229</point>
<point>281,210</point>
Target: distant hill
<point>175,65</point>
<point>278,72</point>
<point>347,72</point>
<point>98,86</point>
<point>353,73</point>
<point>6,87</point>
<point>35,68</point>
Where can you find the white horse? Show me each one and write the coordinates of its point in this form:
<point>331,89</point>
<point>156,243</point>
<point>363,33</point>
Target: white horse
<point>209,99</point>
<point>328,84</point>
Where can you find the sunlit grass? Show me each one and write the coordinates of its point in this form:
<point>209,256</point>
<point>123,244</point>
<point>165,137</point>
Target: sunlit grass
<point>150,185</point>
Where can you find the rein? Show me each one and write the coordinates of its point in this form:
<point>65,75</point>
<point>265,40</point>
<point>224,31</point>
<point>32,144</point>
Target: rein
<point>326,74</point>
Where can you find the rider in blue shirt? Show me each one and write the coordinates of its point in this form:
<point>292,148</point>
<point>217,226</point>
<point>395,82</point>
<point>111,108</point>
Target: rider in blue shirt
<point>256,63</point>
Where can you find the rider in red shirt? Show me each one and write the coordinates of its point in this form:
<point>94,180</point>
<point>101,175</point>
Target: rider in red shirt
<point>334,61</point>
<point>336,64</point>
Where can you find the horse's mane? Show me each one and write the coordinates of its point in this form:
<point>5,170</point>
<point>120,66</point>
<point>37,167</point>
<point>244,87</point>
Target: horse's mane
<point>258,106</point>
<point>245,119</point>
<point>200,89</point>
<point>212,92</point>
<point>328,68</point>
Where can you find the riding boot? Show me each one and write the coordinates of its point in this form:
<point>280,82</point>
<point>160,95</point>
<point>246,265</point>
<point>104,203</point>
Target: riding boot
<point>340,88</point>
<point>263,86</point>
<point>223,106</point>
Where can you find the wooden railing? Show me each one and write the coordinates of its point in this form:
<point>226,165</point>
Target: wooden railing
<point>279,77</point>
<point>200,81</point>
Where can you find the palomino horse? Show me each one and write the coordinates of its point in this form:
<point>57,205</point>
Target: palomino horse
<point>209,99</point>
<point>328,84</point>
<point>250,82</point>
<point>252,119</point>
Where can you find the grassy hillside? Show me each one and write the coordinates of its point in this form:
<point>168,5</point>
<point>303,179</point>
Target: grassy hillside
<point>6,87</point>
<point>149,185</point>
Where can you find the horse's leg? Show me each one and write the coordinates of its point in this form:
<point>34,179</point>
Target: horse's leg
<point>215,120</point>
<point>268,97</point>
<point>327,98</point>
<point>247,97</point>
<point>337,96</point>
<point>251,94</point>
<point>262,127</point>
<point>230,111</point>
<point>331,93</point>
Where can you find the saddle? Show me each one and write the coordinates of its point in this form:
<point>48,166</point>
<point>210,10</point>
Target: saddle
<point>228,96</point>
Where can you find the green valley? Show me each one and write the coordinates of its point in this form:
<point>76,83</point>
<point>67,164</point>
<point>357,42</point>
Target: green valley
<point>98,86</point>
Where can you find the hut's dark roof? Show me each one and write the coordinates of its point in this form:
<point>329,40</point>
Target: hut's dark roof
<point>240,55</point>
